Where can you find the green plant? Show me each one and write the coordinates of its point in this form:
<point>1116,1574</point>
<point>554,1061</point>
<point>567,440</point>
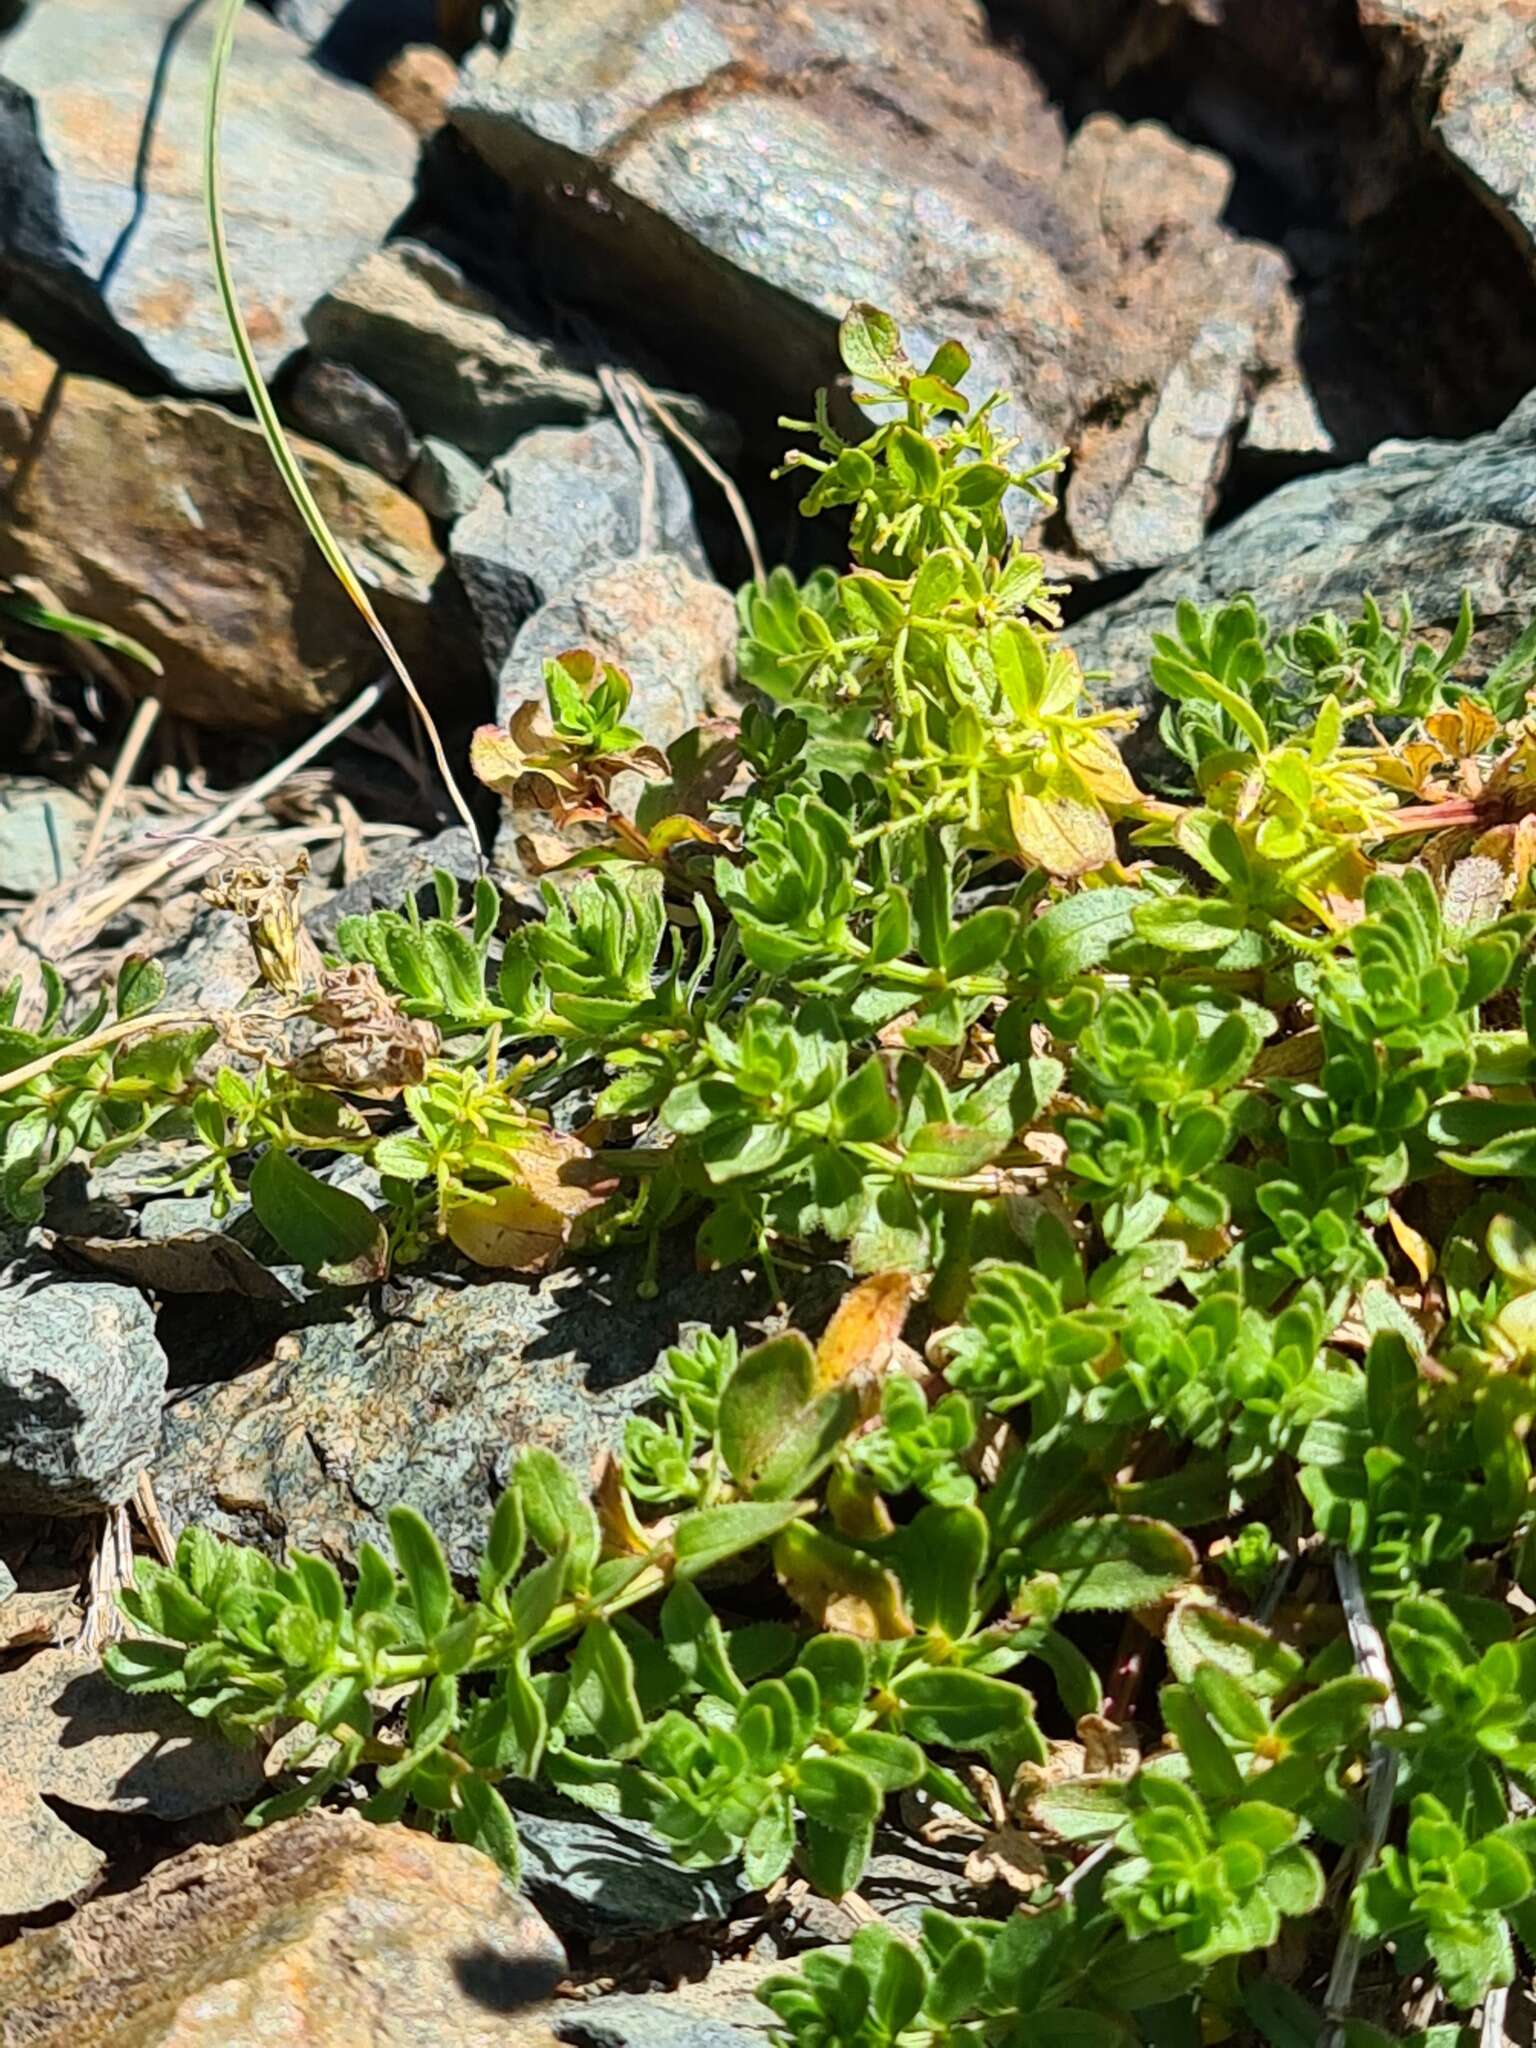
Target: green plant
<point>1151,1118</point>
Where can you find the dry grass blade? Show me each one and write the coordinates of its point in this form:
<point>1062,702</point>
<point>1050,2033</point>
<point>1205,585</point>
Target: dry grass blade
<point>634,383</point>
<point>287,462</point>
<point>145,718</point>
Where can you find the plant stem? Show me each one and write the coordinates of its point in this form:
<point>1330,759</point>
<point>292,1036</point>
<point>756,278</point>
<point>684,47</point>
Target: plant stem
<point>109,1034</point>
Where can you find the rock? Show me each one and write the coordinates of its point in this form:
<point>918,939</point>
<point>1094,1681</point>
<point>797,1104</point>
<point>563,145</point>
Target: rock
<point>417,85</point>
<point>323,1929</point>
<point>1477,59</point>
<point>451,354</point>
<point>340,407</point>
<point>168,520</point>
<point>399,877</point>
<point>597,1875</point>
<point>81,1383</point>
<point>661,2020</point>
<point>672,633</point>
<point>444,481</point>
<point>1427,517</point>
<point>43,830</point>
<point>26,375</point>
<point>745,172</point>
<point>67,1734</point>
<point>102,171</point>
<point>426,1400</point>
<point>562,503</point>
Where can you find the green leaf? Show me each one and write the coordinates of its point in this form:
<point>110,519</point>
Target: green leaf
<point>483,1820</point>
<point>504,1545</point>
<point>324,1229</point>
<point>1197,1634</point>
<point>1114,1561</point>
<point>424,1569</point>
<point>602,1688</point>
<point>706,1537</point>
<point>558,1514</point>
<point>870,344</point>
<point>776,1433</point>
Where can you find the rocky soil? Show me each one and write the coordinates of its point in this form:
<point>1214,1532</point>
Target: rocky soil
<point>1269,275</point>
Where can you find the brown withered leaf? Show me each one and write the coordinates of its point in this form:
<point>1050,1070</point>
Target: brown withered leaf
<point>266,896</point>
<point>864,1329</point>
<point>375,1049</point>
<point>196,1262</point>
<point>1007,1855</point>
<point>839,1588</point>
<point>1062,834</point>
<point>526,1226</point>
<point>621,1532</point>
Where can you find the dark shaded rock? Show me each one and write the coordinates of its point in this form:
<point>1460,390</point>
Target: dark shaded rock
<point>169,521</point>
<point>340,407</point>
<point>81,1382</point>
<point>452,355</point>
<point>445,482</point>
<point>101,165</point>
<point>68,1734</point>
<point>1429,518</point>
<point>595,1874</point>
<point>425,1397</point>
<point>322,1929</point>
<point>744,172</point>
<point>564,503</point>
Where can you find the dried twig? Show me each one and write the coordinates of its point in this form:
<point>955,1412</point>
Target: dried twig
<point>635,383</point>
<point>634,432</point>
<point>153,1520</point>
<point>111,1570</point>
<point>90,914</point>
<point>135,739</point>
<point>1381,1784</point>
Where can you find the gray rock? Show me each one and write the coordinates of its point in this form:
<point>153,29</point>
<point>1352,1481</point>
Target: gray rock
<point>1426,517</point>
<point>672,633</point>
<point>560,504</point>
<point>396,879</point>
<point>445,482</point>
<point>1480,59</point>
<point>425,1398</point>
<point>68,1734</point>
<point>661,2020</point>
<point>596,1875</point>
<point>342,408</point>
<point>100,164</point>
<point>749,171</point>
<point>43,830</point>
<point>452,355</point>
<point>81,1383</point>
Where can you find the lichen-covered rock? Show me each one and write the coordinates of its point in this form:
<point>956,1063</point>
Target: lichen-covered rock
<point>1429,517</point>
<point>563,503</point>
<point>748,171</point>
<point>68,1735</point>
<point>82,1378</point>
<point>427,1399</point>
<point>452,355</point>
<point>101,135</point>
<point>323,1929</point>
<point>348,412</point>
<point>168,520</point>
